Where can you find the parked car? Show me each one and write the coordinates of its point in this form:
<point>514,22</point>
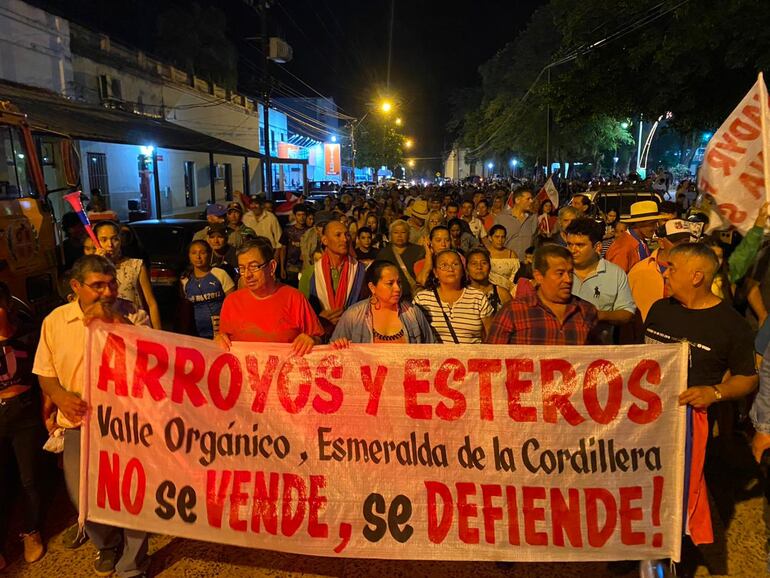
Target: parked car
<point>315,187</point>
<point>619,199</point>
<point>166,242</point>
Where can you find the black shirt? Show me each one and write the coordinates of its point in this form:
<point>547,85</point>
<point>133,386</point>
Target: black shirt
<point>720,339</point>
<point>16,357</point>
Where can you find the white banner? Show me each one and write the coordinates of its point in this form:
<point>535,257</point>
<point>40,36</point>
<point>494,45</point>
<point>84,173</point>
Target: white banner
<point>733,170</point>
<point>388,451</point>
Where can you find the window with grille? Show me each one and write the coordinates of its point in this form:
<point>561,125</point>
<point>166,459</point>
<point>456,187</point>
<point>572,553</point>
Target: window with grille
<point>97,173</point>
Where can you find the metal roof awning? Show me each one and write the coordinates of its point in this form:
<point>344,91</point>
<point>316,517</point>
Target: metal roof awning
<point>49,111</point>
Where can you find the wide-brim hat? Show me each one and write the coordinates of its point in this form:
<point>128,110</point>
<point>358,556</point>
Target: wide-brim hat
<point>419,209</point>
<point>642,211</point>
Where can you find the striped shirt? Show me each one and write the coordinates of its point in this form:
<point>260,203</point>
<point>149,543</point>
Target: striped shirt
<point>465,315</point>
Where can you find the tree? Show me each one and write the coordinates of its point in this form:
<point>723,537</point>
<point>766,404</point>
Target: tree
<point>378,144</point>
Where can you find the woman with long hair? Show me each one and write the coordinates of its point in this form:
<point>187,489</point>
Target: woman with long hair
<point>384,317</point>
<point>503,261</point>
<point>438,241</point>
<point>479,267</point>
<point>205,287</point>
<point>132,275</point>
<point>546,219</point>
<point>458,313</point>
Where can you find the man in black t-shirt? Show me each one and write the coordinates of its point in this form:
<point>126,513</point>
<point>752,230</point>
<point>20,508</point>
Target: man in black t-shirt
<point>720,339</point>
<point>721,368</point>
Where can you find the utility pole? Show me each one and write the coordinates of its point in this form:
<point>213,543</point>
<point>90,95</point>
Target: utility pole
<point>548,129</point>
<point>353,152</point>
<point>265,5</point>
<point>390,40</point>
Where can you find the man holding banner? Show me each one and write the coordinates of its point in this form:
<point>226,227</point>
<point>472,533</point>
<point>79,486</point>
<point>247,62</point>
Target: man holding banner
<point>720,343</point>
<point>59,364</point>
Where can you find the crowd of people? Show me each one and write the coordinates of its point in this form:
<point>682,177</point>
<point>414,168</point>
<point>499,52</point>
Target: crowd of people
<point>450,264</point>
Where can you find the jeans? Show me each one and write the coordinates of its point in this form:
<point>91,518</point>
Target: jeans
<point>133,561</point>
<point>21,437</point>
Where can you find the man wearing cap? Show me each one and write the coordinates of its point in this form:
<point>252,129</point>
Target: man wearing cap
<point>417,213</point>
<point>631,247</point>
<point>646,277</point>
<point>238,231</point>
<point>262,222</point>
<point>223,255</point>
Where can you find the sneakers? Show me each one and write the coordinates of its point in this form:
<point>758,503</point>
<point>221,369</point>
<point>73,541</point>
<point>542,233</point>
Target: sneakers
<point>33,546</point>
<point>104,565</point>
<point>73,538</point>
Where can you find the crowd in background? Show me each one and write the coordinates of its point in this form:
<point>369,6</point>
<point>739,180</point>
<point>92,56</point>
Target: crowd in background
<point>483,263</point>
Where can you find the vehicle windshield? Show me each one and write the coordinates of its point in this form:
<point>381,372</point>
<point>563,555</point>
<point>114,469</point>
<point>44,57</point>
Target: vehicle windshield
<point>15,180</point>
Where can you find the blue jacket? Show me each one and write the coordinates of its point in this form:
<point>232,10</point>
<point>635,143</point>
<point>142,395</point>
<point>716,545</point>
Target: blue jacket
<point>356,324</point>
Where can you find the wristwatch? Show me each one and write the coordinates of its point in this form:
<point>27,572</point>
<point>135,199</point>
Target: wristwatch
<point>717,393</point>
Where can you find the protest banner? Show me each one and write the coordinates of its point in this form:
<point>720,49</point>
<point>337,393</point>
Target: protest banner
<point>388,451</point>
<point>733,171</point>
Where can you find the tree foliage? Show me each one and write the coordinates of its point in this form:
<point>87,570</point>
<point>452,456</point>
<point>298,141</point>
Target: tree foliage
<point>378,144</point>
<point>696,62</point>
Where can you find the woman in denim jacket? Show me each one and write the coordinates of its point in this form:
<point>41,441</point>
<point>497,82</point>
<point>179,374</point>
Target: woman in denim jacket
<point>383,318</point>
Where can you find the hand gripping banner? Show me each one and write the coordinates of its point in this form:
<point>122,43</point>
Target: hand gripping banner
<point>388,451</point>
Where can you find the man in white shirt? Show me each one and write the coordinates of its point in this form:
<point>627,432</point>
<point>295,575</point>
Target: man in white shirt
<point>262,222</point>
<point>59,364</point>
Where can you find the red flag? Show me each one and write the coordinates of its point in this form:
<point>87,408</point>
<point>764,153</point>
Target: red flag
<point>548,193</point>
<point>74,200</point>
<point>285,208</point>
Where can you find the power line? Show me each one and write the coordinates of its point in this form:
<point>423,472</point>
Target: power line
<point>576,53</point>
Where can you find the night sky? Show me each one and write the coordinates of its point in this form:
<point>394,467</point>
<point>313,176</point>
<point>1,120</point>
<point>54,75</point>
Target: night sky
<point>341,48</point>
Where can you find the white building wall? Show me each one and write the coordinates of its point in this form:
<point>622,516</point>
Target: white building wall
<point>124,180</point>
<point>34,47</point>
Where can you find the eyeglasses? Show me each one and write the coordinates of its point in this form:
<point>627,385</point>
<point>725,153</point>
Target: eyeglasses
<point>449,266</point>
<point>253,267</point>
<point>100,286</point>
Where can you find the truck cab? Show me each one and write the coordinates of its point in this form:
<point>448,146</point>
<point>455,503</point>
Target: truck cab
<point>35,163</point>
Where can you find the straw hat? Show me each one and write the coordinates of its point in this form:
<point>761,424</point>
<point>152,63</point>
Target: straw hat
<point>642,211</point>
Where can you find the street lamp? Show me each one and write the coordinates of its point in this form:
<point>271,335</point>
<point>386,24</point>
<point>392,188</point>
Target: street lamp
<point>408,143</point>
<point>624,125</point>
<point>399,122</point>
<point>386,106</point>
<point>411,163</point>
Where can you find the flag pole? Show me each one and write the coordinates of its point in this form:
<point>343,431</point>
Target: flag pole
<point>764,115</point>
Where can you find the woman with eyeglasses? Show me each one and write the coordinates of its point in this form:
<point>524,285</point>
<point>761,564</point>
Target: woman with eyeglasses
<point>132,275</point>
<point>458,313</point>
<point>384,317</point>
<point>264,309</point>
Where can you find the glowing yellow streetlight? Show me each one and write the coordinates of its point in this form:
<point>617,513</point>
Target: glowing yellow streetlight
<point>411,163</point>
<point>399,122</point>
<point>408,143</point>
<point>386,106</point>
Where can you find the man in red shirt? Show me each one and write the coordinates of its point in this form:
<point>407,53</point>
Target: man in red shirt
<point>631,247</point>
<point>553,315</point>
